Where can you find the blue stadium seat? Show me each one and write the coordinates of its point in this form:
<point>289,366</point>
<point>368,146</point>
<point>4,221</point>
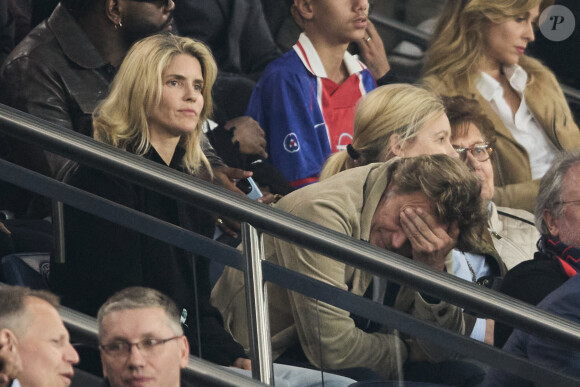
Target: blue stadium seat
<point>26,269</point>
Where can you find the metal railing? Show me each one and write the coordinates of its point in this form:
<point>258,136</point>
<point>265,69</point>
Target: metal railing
<point>309,235</point>
<point>84,328</point>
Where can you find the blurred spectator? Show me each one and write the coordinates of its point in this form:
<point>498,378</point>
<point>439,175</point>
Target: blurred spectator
<point>40,336</point>
<point>478,51</point>
<point>235,30</point>
<point>21,11</point>
<point>6,31</point>
<point>384,204</point>
<point>557,215</point>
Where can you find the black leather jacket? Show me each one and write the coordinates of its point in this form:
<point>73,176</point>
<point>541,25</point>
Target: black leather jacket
<point>56,74</point>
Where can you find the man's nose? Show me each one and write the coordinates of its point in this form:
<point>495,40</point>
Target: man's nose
<point>398,239</point>
<point>71,355</point>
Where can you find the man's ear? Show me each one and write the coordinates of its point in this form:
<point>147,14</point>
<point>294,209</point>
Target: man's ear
<point>551,223</point>
<point>304,9</point>
<point>7,338</point>
<point>12,364</point>
<point>395,146</point>
<point>183,352</point>
<point>113,11</point>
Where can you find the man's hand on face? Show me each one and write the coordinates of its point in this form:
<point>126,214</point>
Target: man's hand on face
<point>431,241</point>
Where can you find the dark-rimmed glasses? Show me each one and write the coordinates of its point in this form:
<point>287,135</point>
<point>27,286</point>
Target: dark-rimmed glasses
<point>122,348</point>
<point>480,152</point>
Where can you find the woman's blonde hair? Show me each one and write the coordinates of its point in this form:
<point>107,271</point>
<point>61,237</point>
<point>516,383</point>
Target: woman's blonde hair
<point>401,109</point>
<point>121,119</point>
<point>457,48</point>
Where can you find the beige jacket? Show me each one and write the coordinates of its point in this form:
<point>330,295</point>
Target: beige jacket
<point>513,176</point>
<point>344,203</point>
<point>513,236</point>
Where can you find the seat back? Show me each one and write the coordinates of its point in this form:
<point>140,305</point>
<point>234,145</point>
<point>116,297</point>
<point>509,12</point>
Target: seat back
<point>26,269</point>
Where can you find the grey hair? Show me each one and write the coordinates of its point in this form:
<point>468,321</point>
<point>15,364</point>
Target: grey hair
<point>550,191</point>
<point>138,297</point>
<point>13,307</point>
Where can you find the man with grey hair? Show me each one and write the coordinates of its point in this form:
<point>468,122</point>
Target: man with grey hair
<point>141,339</point>
<point>558,220</point>
<point>30,322</point>
<point>550,279</point>
<point>142,343</point>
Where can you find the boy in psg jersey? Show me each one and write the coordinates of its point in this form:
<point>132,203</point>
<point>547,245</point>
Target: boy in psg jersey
<point>305,100</point>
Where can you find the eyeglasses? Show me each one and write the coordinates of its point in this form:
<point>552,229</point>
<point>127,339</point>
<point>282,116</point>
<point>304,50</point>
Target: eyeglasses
<point>481,152</point>
<point>147,347</point>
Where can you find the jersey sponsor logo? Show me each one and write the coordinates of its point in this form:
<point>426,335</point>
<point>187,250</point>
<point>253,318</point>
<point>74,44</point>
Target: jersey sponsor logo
<point>343,140</point>
<point>291,144</point>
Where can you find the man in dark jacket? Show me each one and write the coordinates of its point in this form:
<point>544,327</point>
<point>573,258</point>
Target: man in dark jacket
<point>553,269</point>
<point>150,321</point>
<point>62,70</point>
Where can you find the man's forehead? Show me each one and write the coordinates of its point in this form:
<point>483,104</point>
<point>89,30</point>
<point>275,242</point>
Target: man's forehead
<point>138,322</point>
<point>41,318</point>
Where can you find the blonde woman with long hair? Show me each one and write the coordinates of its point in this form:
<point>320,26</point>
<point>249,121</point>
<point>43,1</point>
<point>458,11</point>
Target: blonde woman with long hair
<point>394,120</point>
<point>478,50</point>
<point>157,104</point>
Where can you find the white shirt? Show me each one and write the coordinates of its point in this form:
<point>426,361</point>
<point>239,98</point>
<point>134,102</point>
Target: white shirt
<point>15,383</point>
<point>461,263</point>
<point>523,126</point>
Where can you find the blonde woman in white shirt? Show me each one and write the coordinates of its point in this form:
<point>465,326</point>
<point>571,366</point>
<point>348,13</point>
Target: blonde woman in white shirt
<point>478,51</point>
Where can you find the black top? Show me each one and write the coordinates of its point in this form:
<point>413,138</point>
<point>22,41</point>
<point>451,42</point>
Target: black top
<point>103,258</point>
<point>529,281</point>
<point>236,31</point>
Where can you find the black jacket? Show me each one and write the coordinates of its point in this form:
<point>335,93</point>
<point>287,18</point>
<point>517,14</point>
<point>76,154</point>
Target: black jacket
<point>103,257</point>
<point>56,74</point>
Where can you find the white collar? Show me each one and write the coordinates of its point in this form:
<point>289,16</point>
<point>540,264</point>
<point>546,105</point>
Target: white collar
<point>15,383</point>
<point>516,75</point>
<point>309,57</point>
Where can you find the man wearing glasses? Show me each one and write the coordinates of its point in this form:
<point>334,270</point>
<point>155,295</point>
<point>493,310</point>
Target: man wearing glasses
<point>142,344</point>
<point>141,339</point>
<point>550,280</point>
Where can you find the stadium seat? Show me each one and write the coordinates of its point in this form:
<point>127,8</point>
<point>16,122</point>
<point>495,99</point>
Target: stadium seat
<point>26,269</point>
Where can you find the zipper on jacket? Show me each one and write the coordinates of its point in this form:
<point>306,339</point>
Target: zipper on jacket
<point>511,244</point>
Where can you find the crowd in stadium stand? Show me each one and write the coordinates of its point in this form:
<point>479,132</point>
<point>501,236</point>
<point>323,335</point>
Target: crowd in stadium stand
<point>470,167</point>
